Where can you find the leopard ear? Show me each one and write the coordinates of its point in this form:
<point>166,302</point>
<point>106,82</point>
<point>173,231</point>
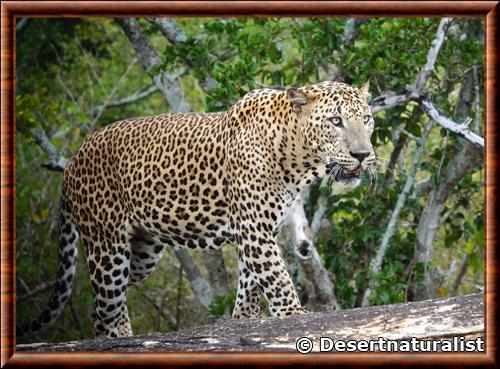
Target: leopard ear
<point>365,90</point>
<point>298,99</point>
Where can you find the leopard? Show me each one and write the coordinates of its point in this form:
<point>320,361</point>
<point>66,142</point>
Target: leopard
<point>201,181</point>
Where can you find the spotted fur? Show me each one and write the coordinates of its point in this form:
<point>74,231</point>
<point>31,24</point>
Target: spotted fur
<point>202,181</point>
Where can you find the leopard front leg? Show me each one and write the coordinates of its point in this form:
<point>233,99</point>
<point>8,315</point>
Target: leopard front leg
<point>248,296</point>
<point>261,258</point>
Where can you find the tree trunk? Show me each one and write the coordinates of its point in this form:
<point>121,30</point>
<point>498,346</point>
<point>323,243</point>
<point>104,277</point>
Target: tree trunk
<point>200,287</point>
<point>317,280</point>
<point>464,160</point>
<point>217,273</point>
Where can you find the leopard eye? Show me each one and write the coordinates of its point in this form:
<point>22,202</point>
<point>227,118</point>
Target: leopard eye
<point>337,121</point>
<point>367,119</point>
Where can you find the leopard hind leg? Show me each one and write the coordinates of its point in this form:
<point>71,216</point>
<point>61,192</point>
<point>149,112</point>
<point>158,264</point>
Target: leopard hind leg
<point>108,260</point>
<point>147,250</point>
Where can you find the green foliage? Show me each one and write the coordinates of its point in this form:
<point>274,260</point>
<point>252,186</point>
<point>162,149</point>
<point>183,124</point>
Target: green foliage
<point>67,68</point>
<point>392,59</point>
<point>390,289</point>
<point>222,305</point>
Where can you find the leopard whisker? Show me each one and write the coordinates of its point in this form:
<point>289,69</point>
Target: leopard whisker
<point>363,176</point>
<point>392,172</point>
<point>336,170</point>
<point>373,177</point>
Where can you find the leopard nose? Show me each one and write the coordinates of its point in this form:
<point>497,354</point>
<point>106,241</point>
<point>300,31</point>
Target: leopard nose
<point>360,155</point>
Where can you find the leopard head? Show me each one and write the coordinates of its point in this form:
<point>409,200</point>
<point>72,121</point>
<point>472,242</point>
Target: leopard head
<point>336,125</point>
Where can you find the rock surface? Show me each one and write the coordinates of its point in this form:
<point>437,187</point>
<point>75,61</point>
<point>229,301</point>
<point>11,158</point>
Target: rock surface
<point>432,319</point>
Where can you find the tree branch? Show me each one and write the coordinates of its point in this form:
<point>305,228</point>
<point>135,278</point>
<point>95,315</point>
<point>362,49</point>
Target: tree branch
<point>44,286</point>
<point>461,129</point>
<point>432,55</point>
<point>143,93</point>
<point>112,92</point>
<point>57,162</point>
<point>173,33</point>
<point>416,92</point>
<point>376,262</point>
<point>169,29</point>
<point>388,101</point>
<point>151,62</point>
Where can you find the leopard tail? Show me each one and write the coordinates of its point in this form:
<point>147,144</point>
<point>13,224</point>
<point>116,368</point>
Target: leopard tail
<point>68,237</point>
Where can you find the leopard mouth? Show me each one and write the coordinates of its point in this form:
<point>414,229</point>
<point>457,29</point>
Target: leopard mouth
<point>345,175</point>
<point>342,174</point>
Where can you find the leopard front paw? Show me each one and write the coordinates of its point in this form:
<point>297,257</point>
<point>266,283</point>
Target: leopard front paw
<point>292,311</point>
<point>242,313</point>
<point>298,311</point>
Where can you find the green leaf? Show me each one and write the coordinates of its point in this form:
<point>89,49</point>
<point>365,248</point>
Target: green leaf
<point>387,26</point>
<point>360,44</point>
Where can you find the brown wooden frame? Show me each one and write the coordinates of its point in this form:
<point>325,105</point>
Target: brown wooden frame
<point>12,9</point>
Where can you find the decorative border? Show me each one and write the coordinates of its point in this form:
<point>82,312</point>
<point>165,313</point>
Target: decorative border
<point>12,9</point>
